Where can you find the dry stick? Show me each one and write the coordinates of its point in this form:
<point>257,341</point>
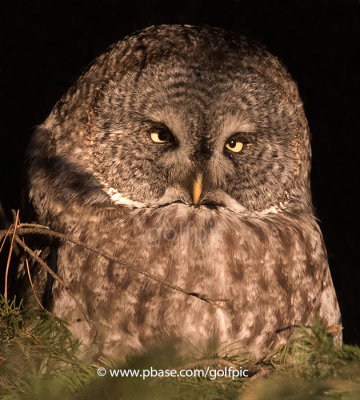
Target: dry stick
<point>55,276</point>
<point>13,212</point>
<point>9,256</point>
<point>32,286</point>
<point>25,229</point>
<point>41,262</point>
<point>48,232</point>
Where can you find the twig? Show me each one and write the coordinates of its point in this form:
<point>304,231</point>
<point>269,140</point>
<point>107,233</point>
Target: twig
<point>41,262</point>
<point>55,276</point>
<point>9,256</point>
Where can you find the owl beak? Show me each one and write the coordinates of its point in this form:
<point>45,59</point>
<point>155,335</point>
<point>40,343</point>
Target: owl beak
<point>197,187</point>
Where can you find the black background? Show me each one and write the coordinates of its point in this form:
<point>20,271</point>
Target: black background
<point>46,45</point>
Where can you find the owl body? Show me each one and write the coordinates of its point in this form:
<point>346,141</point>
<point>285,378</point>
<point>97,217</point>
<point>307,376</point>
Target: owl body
<point>184,153</point>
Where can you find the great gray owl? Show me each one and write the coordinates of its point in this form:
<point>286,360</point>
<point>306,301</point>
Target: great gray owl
<point>184,151</point>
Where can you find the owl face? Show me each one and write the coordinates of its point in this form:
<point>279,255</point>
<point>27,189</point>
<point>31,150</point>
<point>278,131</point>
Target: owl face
<point>201,124</point>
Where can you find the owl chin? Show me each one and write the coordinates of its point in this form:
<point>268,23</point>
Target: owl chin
<point>212,200</point>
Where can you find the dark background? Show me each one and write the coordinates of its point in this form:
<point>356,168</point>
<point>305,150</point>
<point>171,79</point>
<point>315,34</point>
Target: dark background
<point>46,45</point>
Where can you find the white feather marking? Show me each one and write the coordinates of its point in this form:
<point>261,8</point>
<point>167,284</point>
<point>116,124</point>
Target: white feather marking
<point>273,209</point>
<point>118,198</point>
<point>270,210</point>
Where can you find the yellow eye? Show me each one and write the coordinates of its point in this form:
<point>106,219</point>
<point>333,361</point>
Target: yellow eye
<point>161,136</point>
<point>234,145</point>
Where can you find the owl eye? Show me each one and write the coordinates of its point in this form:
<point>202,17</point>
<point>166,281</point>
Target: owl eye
<point>234,145</point>
<point>161,136</point>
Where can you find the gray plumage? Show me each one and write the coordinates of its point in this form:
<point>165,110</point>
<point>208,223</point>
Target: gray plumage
<point>114,166</point>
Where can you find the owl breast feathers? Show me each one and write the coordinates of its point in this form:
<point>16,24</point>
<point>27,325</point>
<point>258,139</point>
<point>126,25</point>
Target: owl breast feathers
<point>184,152</point>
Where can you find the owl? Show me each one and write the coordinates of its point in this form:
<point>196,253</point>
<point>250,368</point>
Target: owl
<point>183,152</point>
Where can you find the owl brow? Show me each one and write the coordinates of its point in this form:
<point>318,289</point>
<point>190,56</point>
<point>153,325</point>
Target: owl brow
<point>238,135</point>
<point>244,136</point>
<point>156,124</point>
<point>153,124</point>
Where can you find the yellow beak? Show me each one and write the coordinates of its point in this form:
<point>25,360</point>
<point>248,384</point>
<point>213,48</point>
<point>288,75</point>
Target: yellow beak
<point>197,188</point>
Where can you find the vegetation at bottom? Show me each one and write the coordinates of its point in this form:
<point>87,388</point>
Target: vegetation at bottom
<point>40,359</point>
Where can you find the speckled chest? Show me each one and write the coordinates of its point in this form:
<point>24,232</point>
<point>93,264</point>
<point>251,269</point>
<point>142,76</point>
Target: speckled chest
<point>259,274</point>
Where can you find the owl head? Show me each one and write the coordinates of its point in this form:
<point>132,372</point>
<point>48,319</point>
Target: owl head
<point>178,113</point>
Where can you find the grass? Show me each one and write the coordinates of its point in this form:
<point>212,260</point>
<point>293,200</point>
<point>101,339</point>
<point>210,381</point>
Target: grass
<point>40,359</point>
